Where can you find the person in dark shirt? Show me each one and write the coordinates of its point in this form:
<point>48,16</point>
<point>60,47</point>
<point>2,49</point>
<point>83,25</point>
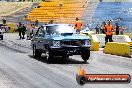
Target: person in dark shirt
<point>117,29</point>
<point>36,23</point>
<point>23,31</point>
<point>51,22</point>
<point>20,30</point>
<point>97,29</point>
<point>103,28</point>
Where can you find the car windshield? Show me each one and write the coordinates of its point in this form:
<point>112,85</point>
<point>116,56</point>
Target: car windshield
<point>59,29</point>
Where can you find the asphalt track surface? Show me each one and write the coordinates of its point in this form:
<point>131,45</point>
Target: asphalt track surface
<point>19,69</point>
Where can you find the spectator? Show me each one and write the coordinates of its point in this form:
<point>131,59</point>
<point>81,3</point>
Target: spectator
<point>23,31</point>
<point>20,30</point>
<point>97,29</point>
<point>78,26</point>
<point>36,23</point>
<point>30,31</point>
<point>88,1</point>
<point>7,28</point>
<point>103,28</point>
<point>4,21</point>
<point>60,5</point>
<point>122,30</point>
<point>51,22</point>
<point>117,29</point>
<point>43,0</point>
<point>39,6</point>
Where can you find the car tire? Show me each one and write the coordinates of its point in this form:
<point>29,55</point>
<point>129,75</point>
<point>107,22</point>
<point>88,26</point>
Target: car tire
<point>85,54</point>
<point>36,52</point>
<point>49,55</point>
<point>1,37</point>
<point>65,56</point>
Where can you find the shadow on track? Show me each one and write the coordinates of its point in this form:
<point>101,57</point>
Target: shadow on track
<point>59,60</point>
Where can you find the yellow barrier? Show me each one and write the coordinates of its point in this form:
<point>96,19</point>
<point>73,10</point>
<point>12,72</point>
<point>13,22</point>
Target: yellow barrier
<point>130,43</point>
<point>94,43</point>
<point>12,27</point>
<point>114,48</point>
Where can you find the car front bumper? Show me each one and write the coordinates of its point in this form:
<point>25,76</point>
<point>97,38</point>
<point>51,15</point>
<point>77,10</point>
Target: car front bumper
<point>65,50</point>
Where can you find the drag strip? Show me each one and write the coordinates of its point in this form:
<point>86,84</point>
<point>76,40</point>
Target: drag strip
<point>22,70</point>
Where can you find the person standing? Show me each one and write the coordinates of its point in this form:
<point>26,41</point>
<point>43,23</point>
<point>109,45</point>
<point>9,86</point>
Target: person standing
<point>23,31</point>
<point>36,23</point>
<point>117,29</point>
<point>97,29</point>
<point>103,28</point>
<point>29,27</point>
<point>122,30</point>
<point>20,30</point>
<point>78,26</point>
<point>51,22</point>
<point>32,30</point>
<point>108,32</point>
<point>4,21</point>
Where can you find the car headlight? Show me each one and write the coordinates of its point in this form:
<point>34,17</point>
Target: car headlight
<point>87,42</point>
<point>56,43</point>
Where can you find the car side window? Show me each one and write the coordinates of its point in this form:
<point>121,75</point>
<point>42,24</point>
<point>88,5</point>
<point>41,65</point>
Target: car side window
<point>40,32</point>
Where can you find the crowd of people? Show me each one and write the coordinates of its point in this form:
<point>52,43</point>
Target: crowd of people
<point>117,29</point>
<point>21,29</point>
<point>108,29</point>
<point>105,28</point>
<point>29,29</point>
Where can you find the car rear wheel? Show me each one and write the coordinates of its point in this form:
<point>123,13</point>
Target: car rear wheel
<point>36,52</point>
<point>1,37</point>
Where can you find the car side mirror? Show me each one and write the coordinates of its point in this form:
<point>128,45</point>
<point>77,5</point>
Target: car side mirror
<point>40,34</point>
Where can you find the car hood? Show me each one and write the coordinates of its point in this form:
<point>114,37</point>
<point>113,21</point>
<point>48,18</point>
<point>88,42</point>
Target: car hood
<point>70,37</point>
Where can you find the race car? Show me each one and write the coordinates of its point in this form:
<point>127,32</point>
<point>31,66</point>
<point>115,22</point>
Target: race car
<point>60,40</point>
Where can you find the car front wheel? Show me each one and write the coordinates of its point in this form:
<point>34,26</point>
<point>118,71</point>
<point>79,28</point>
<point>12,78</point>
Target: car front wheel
<point>85,54</point>
<point>49,55</point>
<point>36,52</point>
<point>1,37</point>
